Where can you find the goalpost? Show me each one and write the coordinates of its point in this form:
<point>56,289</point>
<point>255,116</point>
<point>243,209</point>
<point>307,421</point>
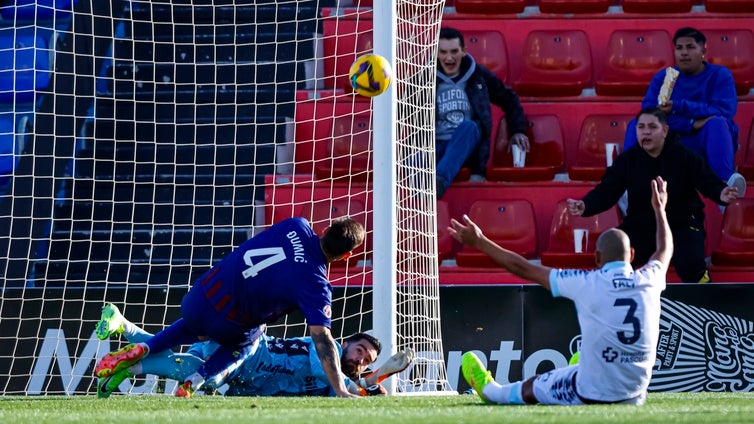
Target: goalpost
<point>171,131</point>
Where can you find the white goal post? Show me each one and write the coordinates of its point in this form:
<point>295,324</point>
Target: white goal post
<point>169,131</point>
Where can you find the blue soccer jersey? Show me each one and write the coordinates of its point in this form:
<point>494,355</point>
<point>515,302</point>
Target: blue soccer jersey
<point>275,272</point>
<point>281,367</point>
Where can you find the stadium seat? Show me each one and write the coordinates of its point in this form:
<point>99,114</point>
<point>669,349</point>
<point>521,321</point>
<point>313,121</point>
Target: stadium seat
<point>508,222</point>
<point>737,238</point>
<point>7,147</point>
<point>544,159</point>
<point>729,6</point>
<point>556,63</point>
<point>734,49</point>
<point>633,57</point>
<point>747,167</point>
<point>596,132</point>
<point>320,214</point>
<point>488,48</point>
<point>349,150</point>
<point>24,66</point>
<point>490,6</point>
<point>369,3</point>
<point>343,41</point>
<point>30,10</point>
<point>574,6</point>
<point>560,251</point>
<point>657,6</point>
<point>444,239</point>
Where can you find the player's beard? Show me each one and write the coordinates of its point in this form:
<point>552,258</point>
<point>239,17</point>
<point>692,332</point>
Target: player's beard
<point>348,367</point>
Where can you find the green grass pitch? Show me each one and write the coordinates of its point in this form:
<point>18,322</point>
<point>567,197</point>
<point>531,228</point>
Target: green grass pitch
<point>660,408</point>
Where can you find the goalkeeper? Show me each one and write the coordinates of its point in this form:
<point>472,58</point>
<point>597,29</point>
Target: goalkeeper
<point>272,367</point>
<point>278,271</point>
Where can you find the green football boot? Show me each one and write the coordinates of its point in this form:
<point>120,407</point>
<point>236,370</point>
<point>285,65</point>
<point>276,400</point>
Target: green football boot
<point>475,374</point>
<point>110,322</point>
<point>106,386</point>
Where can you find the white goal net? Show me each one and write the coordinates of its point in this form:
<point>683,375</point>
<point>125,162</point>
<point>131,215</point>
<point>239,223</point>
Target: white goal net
<point>144,140</point>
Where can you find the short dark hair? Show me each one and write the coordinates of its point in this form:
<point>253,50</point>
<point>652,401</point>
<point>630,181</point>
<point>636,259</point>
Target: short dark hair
<point>690,32</point>
<point>374,341</point>
<point>344,235</point>
<point>655,111</point>
<point>448,33</point>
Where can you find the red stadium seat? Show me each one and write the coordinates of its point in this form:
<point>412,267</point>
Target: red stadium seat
<point>729,6</point>
<point>734,49</point>
<point>596,132</point>
<point>556,63</point>
<point>657,6</point>
<point>343,41</point>
<point>560,251</point>
<point>320,214</point>
<point>510,223</point>
<point>369,3</point>
<point>349,150</point>
<point>544,159</point>
<point>488,48</point>
<point>747,167</point>
<point>574,6</point>
<point>737,238</point>
<point>633,58</point>
<point>444,239</point>
<point>490,6</point>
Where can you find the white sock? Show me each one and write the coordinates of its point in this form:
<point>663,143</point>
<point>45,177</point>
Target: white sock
<point>506,394</point>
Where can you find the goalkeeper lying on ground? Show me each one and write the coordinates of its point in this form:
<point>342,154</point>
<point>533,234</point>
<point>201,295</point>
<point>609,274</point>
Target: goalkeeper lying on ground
<point>273,367</point>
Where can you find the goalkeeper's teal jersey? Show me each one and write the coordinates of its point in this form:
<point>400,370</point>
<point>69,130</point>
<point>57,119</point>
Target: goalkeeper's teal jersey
<point>281,367</point>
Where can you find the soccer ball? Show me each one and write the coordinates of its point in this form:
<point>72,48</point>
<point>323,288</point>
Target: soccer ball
<point>370,75</point>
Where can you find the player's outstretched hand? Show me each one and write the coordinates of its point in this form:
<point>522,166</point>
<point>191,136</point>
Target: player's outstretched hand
<point>397,363</point>
<point>468,233</point>
<point>659,193</point>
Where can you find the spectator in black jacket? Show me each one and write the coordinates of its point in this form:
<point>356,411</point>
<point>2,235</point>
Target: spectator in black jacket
<point>687,174</point>
<point>465,90</point>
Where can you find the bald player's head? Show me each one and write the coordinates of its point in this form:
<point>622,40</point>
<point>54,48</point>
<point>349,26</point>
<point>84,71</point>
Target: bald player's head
<point>613,245</point>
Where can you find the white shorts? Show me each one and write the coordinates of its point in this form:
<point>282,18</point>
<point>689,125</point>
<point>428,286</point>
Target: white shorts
<point>558,387</point>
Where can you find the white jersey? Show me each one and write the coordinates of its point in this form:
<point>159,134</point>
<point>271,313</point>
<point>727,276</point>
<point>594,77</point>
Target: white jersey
<point>619,315</point>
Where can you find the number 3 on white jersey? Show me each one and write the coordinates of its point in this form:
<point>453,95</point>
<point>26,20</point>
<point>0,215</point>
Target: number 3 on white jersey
<point>272,255</point>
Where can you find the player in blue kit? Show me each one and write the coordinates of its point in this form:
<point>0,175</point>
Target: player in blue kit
<point>268,276</point>
<point>273,367</point>
<point>618,310</point>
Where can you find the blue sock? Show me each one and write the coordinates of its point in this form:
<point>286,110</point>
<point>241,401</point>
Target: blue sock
<point>176,366</point>
<point>175,335</point>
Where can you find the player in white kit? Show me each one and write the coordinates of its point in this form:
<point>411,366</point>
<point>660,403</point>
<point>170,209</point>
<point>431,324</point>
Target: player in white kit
<point>618,310</point>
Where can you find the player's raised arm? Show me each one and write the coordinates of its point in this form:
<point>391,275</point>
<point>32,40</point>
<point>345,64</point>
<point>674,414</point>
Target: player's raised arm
<point>470,234</point>
<point>329,358</point>
<point>664,238</point>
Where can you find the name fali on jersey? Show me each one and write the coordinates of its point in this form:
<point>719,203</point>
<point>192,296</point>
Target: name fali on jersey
<point>623,283</point>
<point>298,247</point>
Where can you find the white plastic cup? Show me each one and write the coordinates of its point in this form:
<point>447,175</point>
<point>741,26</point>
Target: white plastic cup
<point>611,151</point>
<point>580,240</point>
<point>519,156</point>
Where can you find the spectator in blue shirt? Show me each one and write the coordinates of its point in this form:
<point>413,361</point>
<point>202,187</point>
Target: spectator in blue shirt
<point>701,107</point>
